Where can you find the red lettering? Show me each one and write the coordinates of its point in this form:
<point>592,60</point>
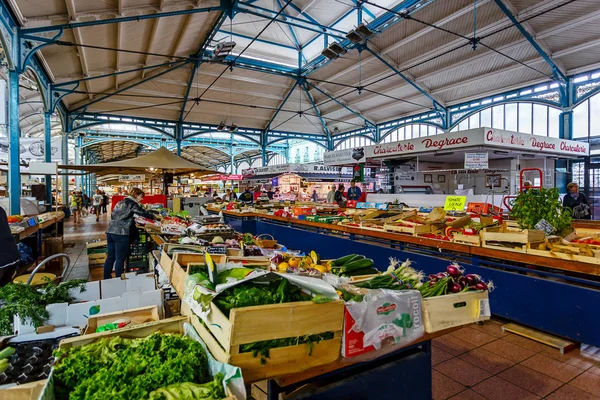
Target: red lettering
<point>573,148</point>
<point>440,144</point>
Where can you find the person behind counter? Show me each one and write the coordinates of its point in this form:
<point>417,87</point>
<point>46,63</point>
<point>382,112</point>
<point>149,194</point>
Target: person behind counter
<point>354,192</point>
<point>9,256</point>
<point>331,194</point>
<point>577,202</point>
<point>339,196</point>
<point>247,196</point>
<point>121,231</point>
<point>270,193</point>
<point>230,195</point>
<point>314,196</point>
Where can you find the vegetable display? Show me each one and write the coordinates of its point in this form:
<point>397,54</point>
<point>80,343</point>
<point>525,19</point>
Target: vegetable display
<point>453,281</point>
<point>255,294</point>
<point>29,302</point>
<point>353,265</point>
<point>531,206</point>
<point>118,368</point>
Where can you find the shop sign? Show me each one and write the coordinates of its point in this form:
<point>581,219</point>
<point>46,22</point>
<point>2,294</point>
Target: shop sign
<point>542,144</point>
<point>230,177</point>
<point>455,203</point>
<point>132,178</point>
<point>476,160</point>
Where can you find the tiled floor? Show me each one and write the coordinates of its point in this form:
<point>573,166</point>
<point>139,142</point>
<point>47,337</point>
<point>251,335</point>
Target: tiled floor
<point>79,235</point>
<point>482,362</point>
<point>476,362</point>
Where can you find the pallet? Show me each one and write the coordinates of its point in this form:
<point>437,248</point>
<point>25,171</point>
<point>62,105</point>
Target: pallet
<point>452,310</point>
<point>137,316</point>
<point>223,336</point>
<point>561,344</point>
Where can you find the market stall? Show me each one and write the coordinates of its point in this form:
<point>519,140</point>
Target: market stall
<point>300,180</point>
<point>482,164</point>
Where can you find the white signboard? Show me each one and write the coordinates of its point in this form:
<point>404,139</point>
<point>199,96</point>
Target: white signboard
<point>32,149</point>
<point>476,160</point>
<point>534,143</point>
<point>522,142</point>
<point>132,178</point>
<point>42,168</point>
<point>312,168</point>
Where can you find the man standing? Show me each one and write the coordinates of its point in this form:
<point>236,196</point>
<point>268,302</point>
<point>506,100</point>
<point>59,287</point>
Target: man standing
<point>270,193</point>
<point>104,202</point>
<point>354,192</point>
<point>97,203</point>
<point>331,194</point>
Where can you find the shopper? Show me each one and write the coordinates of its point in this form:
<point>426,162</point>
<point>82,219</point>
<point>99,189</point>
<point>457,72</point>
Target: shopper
<point>339,196</point>
<point>9,256</point>
<point>247,197</point>
<point>354,192</point>
<point>577,202</point>
<point>270,193</point>
<point>74,204</point>
<point>104,202</point>
<point>230,195</point>
<point>331,195</point>
<point>121,230</point>
<point>97,204</point>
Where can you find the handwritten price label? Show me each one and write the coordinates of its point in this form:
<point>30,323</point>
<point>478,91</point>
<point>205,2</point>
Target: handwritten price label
<point>455,203</point>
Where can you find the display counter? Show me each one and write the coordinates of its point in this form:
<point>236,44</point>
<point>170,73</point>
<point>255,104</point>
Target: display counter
<point>553,295</point>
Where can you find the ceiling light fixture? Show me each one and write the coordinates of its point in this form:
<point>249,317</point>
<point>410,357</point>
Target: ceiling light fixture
<point>359,34</point>
<point>330,54</point>
<point>221,126</point>
<point>233,127</point>
<point>222,50</point>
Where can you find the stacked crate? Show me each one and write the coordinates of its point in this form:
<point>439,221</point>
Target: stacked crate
<point>96,252</point>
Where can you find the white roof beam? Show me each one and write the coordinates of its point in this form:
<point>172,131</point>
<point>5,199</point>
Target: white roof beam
<point>78,40</point>
<point>118,53</point>
<point>186,23</point>
<point>150,43</point>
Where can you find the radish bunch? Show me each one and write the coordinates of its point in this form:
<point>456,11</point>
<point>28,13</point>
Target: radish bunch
<point>452,281</point>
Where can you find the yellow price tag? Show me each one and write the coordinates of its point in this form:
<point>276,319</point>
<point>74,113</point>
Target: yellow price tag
<point>455,203</point>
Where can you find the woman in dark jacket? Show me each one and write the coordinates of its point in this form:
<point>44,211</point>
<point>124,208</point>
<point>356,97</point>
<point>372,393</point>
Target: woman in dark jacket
<point>577,202</point>
<point>9,256</point>
<point>120,231</point>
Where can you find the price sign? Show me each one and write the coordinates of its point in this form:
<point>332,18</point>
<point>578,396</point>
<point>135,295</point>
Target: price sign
<point>455,203</point>
<point>545,226</point>
<point>218,250</point>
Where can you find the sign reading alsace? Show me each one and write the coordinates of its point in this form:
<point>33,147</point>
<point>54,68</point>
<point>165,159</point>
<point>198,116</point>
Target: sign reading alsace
<point>312,168</point>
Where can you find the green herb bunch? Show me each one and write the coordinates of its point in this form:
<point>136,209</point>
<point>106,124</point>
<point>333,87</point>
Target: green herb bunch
<point>117,368</point>
<point>29,302</point>
<point>533,205</point>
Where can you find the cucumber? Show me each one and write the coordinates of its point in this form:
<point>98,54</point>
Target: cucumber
<point>7,352</point>
<point>358,264</point>
<point>343,260</point>
<point>362,271</point>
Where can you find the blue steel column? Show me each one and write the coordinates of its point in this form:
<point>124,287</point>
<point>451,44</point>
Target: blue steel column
<point>65,161</point>
<point>78,160</point>
<point>14,134</point>
<point>231,156</point>
<point>48,155</point>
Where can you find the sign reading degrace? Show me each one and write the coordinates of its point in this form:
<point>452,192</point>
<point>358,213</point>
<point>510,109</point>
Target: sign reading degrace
<point>479,137</point>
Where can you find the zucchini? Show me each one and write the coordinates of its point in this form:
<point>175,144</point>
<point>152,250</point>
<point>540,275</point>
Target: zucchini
<point>358,264</point>
<point>362,271</point>
<point>343,260</point>
<point>7,352</point>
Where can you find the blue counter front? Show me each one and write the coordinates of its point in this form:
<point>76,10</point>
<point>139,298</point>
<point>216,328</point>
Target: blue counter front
<point>550,300</point>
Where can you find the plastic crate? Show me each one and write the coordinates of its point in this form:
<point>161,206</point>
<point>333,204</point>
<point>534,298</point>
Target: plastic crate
<point>137,260</point>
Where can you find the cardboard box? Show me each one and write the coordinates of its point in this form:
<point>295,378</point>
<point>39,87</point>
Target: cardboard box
<point>100,297</point>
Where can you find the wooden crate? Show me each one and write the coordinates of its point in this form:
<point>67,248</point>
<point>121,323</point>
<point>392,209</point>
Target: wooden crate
<point>27,391</point>
<point>171,325</point>
<point>251,261</point>
<point>566,256</point>
<point>223,336</point>
<point>507,238</point>
<point>403,228</point>
<point>180,268</point>
<point>137,316</point>
<point>166,263</point>
<point>449,311</point>
<point>473,240</point>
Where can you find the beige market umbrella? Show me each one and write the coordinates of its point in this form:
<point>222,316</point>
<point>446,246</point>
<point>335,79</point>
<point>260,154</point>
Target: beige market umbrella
<point>159,161</point>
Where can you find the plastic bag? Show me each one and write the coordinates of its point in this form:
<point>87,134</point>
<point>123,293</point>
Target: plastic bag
<point>390,316</point>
